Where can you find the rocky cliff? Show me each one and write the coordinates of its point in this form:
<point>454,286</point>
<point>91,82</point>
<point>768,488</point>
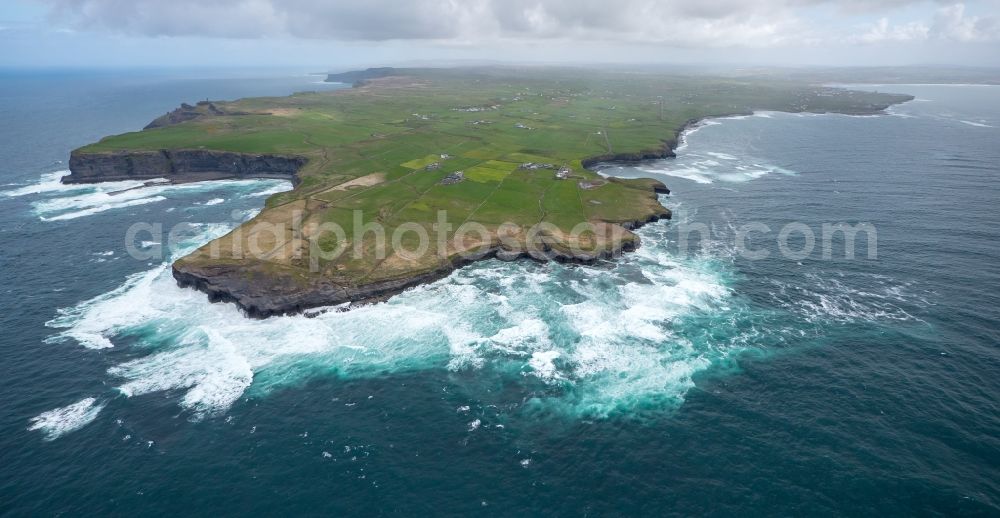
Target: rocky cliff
<point>187,112</point>
<point>182,165</point>
<point>358,77</point>
<point>263,290</point>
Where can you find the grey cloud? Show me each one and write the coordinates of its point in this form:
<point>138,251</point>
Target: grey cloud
<point>220,18</point>
<point>953,23</point>
<point>675,22</point>
<point>373,19</point>
<point>950,23</point>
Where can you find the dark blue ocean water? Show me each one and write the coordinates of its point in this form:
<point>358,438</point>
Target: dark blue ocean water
<point>679,380</point>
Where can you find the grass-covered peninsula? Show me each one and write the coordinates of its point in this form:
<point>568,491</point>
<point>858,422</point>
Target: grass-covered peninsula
<point>467,161</point>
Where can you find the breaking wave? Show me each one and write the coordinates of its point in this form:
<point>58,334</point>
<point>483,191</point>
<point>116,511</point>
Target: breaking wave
<point>49,183</point>
<point>55,201</point>
<point>88,206</point>
<point>582,341</point>
<point>976,124</point>
<point>706,167</point>
<point>710,167</point>
<point>597,340</point>
<point>59,421</point>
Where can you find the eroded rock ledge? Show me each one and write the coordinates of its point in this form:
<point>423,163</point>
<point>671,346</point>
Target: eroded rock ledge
<point>182,165</point>
<point>260,291</point>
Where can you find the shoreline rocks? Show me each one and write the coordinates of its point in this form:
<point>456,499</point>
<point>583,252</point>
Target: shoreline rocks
<point>259,294</point>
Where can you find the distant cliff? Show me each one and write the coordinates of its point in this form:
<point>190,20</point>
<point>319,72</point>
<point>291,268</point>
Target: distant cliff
<point>182,165</point>
<point>188,112</point>
<point>357,77</point>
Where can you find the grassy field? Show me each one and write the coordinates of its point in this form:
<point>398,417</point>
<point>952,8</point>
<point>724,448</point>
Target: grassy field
<point>381,150</point>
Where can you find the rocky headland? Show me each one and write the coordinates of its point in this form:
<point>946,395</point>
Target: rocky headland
<point>400,150</point>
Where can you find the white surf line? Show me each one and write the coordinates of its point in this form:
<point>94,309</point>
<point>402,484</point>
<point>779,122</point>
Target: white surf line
<point>60,421</point>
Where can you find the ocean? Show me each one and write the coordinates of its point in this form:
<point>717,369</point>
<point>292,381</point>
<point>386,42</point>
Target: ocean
<point>691,377</point>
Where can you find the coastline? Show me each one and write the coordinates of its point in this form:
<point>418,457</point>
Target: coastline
<point>260,302</point>
<point>264,301</point>
<point>263,297</point>
<point>267,297</point>
<point>843,385</point>
<point>260,293</point>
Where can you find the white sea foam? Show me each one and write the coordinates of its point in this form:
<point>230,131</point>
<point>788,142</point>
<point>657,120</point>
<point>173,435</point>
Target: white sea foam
<point>895,110</point>
<point>94,208</point>
<point>215,377</point>
<point>976,124</point>
<point>861,299</point>
<point>731,170</point>
<point>279,187</point>
<point>543,364</point>
<point>706,167</point>
<point>92,322</point>
<point>59,421</point>
<point>695,174</point>
<point>606,341</point>
<point>610,347</point>
<point>54,201</point>
<point>528,335</point>
<point>50,183</point>
<point>102,198</point>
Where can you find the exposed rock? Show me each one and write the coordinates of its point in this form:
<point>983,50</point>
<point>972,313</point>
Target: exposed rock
<point>184,165</point>
<point>187,112</point>
<point>260,291</point>
<point>261,295</point>
<point>504,254</point>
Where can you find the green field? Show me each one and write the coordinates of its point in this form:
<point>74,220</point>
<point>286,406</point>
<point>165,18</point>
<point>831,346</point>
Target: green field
<point>376,152</point>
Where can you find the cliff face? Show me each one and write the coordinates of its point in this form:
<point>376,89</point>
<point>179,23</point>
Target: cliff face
<point>178,165</point>
<point>262,292</point>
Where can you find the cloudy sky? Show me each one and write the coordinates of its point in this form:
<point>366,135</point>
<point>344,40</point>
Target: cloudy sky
<point>344,33</point>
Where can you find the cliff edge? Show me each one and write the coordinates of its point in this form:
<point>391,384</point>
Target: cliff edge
<point>179,166</point>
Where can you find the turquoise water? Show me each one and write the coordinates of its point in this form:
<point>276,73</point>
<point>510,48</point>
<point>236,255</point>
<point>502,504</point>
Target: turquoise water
<point>681,379</point>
